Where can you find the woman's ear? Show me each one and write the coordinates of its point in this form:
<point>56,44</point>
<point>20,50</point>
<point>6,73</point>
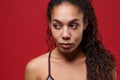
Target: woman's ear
<point>49,24</point>
<point>85,24</point>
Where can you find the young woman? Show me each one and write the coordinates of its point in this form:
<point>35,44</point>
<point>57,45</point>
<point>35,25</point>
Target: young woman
<point>78,53</point>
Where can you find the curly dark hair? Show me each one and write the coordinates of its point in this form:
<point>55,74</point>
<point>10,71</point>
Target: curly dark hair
<point>100,62</point>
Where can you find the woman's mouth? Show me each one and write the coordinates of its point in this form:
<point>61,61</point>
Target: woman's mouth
<point>66,45</point>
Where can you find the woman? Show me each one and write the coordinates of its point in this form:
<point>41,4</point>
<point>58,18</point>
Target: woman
<point>78,53</point>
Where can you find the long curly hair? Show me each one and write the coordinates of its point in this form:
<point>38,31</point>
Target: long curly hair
<point>100,62</point>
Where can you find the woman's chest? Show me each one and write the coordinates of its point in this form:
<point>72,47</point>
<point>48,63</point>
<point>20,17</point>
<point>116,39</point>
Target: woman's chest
<point>69,73</point>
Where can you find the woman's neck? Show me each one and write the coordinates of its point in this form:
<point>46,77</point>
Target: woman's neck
<point>71,57</point>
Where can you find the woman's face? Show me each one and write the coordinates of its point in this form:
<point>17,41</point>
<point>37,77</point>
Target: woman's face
<point>67,27</point>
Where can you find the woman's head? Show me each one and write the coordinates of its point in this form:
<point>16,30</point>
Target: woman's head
<point>81,7</point>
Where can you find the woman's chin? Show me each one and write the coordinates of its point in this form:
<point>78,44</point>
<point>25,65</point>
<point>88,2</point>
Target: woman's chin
<point>66,51</point>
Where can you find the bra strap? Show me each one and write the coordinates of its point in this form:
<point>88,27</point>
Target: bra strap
<point>49,68</point>
<point>49,64</point>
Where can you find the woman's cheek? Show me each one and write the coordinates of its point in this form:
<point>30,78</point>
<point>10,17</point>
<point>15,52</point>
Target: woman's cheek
<point>78,38</point>
<point>55,37</point>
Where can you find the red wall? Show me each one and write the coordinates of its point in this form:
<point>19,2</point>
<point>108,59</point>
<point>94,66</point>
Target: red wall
<point>23,28</point>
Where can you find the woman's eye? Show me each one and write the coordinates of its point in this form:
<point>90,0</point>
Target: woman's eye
<point>57,26</point>
<point>74,26</point>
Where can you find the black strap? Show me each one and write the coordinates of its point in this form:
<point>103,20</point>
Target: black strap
<point>49,64</point>
<point>49,68</point>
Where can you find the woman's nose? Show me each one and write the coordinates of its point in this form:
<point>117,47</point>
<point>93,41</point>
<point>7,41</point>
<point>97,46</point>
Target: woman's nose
<point>65,33</point>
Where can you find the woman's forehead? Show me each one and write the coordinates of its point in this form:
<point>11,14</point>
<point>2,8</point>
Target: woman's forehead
<point>66,5</point>
<point>66,13</point>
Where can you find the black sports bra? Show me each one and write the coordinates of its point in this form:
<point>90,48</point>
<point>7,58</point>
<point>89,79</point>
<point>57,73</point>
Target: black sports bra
<point>49,68</point>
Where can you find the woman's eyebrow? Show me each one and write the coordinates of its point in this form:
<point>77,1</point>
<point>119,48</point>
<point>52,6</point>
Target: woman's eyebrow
<point>57,21</point>
<point>71,21</point>
<point>74,20</point>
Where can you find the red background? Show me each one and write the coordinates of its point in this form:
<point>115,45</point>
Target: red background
<point>23,31</point>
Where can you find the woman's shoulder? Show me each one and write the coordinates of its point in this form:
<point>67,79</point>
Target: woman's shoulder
<point>36,66</point>
<point>37,63</point>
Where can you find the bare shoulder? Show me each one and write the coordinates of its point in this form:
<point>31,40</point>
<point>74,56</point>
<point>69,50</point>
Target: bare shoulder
<point>35,67</point>
<point>37,61</point>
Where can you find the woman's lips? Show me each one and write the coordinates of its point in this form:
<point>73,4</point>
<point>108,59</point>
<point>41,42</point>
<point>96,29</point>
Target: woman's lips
<point>66,45</point>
